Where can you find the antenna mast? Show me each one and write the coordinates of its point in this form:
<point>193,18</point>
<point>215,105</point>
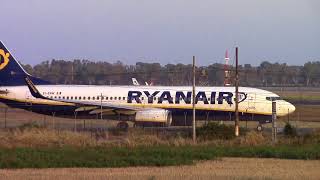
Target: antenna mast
<point>226,70</point>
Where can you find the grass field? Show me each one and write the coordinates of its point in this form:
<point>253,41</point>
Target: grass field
<point>57,146</point>
<point>225,168</point>
<point>305,113</point>
<point>54,157</point>
<point>300,96</point>
<point>43,148</point>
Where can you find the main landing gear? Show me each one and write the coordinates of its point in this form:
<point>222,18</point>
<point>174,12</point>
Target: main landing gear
<point>259,127</point>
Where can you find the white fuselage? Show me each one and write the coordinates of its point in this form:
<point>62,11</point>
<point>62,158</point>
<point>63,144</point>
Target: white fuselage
<point>252,100</point>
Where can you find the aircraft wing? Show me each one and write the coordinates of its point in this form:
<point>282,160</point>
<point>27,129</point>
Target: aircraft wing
<point>89,104</point>
<point>104,105</point>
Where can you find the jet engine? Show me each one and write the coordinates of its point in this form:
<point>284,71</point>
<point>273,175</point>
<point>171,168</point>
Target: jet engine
<point>154,116</point>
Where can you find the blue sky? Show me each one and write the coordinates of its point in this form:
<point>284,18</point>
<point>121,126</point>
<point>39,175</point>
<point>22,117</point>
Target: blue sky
<point>166,31</point>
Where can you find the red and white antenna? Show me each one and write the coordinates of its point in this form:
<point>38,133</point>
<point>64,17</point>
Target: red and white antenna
<point>226,70</point>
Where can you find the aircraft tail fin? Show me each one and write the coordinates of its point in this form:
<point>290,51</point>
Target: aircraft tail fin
<point>11,72</point>
<point>135,82</point>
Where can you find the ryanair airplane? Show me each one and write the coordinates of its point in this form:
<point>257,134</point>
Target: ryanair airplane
<point>162,105</point>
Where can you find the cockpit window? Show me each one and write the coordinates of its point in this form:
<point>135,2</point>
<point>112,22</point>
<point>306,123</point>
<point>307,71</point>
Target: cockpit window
<point>273,98</point>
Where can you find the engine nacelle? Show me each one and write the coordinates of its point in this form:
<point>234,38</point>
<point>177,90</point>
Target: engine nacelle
<point>154,115</point>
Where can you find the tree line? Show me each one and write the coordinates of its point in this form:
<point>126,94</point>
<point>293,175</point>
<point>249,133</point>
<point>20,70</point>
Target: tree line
<point>118,73</point>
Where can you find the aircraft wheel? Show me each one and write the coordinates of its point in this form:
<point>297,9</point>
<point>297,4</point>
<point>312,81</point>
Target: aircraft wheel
<point>123,125</point>
<point>259,128</point>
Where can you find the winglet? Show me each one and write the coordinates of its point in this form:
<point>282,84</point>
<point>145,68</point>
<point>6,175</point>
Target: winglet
<point>33,90</point>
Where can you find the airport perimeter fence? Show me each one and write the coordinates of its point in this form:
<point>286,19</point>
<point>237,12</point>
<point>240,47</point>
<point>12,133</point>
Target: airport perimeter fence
<point>14,118</point>
<point>306,115</point>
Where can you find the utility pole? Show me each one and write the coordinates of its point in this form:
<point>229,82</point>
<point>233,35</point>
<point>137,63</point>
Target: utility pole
<point>193,99</point>
<point>274,123</point>
<point>72,74</point>
<point>236,125</point>
<point>226,70</point>
<point>75,121</point>
<point>5,117</point>
<point>101,116</point>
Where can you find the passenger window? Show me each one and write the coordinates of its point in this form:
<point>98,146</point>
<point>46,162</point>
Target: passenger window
<point>67,97</point>
<point>119,98</point>
<point>107,98</point>
<point>79,97</point>
<point>110,98</point>
<point>142,98</point>
<point>124,98</point>
<point>71,97</point>
<point>115,98</point>
<point>102,97</point>
<point>93,98</point>
<point>88,97</point>
<point>75,98</point>
<point>62,97</point>
<point>84,98</point>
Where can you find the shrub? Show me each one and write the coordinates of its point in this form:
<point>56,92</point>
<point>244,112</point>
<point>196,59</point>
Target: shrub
<point>289,130</point>
<point>29,126</point>
<point>253,138</point>
<point>214,130</point>
<point>312,138</point>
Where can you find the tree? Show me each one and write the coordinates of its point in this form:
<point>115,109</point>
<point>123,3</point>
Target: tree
<point>311,70</point>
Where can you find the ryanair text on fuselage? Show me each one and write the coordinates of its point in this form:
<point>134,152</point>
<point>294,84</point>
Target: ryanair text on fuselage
<point>185,96</point>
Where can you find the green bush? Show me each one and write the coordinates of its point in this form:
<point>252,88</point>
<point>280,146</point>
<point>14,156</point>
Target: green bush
<point>289,130</point>
<point>214,130</point>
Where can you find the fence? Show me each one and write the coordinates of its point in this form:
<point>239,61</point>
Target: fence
<point>306,115</point>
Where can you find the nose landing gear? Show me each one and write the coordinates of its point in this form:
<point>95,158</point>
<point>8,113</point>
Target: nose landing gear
<point>259,127</point>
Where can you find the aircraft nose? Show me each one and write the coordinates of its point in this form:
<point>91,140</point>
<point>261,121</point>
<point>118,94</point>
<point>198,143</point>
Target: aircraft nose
<point>291,108</point>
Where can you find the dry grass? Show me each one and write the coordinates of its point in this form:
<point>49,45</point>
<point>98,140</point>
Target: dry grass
<point>40,137</point>
<point>253,138</point>
<point>226,168</point>
<point>138,137</point>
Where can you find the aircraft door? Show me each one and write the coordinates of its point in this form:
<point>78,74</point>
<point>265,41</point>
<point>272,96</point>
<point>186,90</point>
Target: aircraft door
<point>28,98</point>
<point>251,102</point>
